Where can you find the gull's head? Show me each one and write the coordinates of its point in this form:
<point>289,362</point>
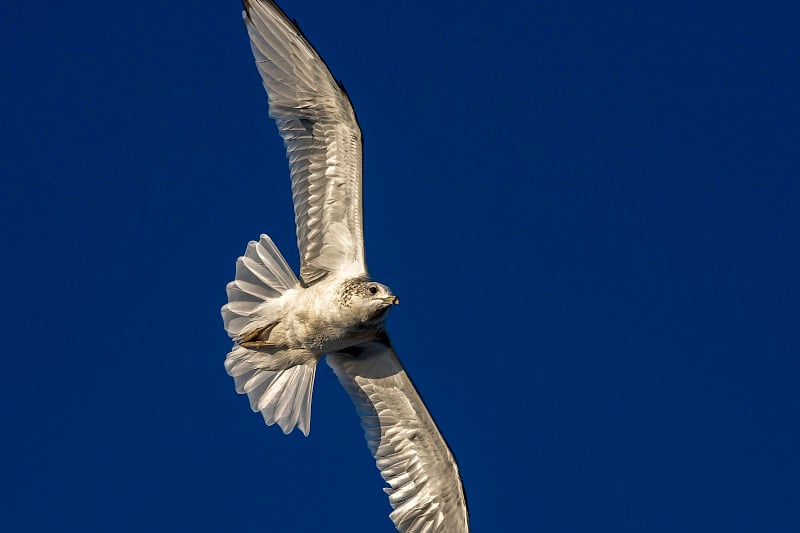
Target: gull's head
<point>370,299</point>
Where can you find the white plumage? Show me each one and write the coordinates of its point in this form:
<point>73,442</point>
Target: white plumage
<point>282,326</point>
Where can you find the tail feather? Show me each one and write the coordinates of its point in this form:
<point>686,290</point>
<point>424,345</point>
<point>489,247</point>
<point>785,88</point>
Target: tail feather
<point>263,264</point>
<point>262,276</point>
<point>279,384</point>
<point>281,396</point>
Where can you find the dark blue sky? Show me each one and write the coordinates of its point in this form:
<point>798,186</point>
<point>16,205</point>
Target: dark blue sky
<point>589,214</point>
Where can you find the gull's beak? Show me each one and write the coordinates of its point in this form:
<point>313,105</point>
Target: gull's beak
<point>392,300</point>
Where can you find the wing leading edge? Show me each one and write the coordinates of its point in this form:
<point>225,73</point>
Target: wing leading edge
<point>322,139</point>
<point>425,487</point>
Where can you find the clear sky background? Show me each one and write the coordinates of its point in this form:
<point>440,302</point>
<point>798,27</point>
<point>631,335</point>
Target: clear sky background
<point>588,209</point>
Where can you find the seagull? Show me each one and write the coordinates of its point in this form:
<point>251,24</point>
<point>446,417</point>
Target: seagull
<point>282,326</point>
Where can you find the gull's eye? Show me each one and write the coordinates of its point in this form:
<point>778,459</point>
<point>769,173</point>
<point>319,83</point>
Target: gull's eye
<point>373,289</point>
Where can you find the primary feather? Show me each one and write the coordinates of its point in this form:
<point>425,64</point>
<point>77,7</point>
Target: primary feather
<point>425,486</point>
<point>322,138</point>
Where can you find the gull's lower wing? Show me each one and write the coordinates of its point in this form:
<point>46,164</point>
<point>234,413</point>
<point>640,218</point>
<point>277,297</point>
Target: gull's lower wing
<point>322,139</point>
<point>413,457</point>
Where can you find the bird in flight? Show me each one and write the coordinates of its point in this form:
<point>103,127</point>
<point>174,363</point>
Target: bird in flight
<point>282,326</point>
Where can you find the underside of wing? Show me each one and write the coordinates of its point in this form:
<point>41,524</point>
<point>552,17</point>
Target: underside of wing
<point>322,138</point>
<point>425,488</point>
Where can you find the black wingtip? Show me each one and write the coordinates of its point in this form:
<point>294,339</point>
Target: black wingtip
<point>246,6</point>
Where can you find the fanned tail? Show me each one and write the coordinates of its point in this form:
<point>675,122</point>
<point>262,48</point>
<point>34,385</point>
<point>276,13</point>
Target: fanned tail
<point>282,396</point>
<point>262,277</point>
<point>278,381</point>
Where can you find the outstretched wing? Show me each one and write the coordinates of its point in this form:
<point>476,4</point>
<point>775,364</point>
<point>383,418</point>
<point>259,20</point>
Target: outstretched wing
<point>322,139</point>
<point>425,487</point>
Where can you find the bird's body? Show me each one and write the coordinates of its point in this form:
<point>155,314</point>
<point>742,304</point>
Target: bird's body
<point>327,317</point>
<point>282,326</point>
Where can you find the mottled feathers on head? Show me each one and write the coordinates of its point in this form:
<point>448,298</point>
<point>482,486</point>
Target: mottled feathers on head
<point>353,287</point>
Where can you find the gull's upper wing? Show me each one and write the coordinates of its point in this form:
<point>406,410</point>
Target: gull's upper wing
<point>413,457</point>
<point>322,139</point>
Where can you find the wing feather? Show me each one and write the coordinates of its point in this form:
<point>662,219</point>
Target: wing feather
<point>322,138</point>
<point>425,489</point>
